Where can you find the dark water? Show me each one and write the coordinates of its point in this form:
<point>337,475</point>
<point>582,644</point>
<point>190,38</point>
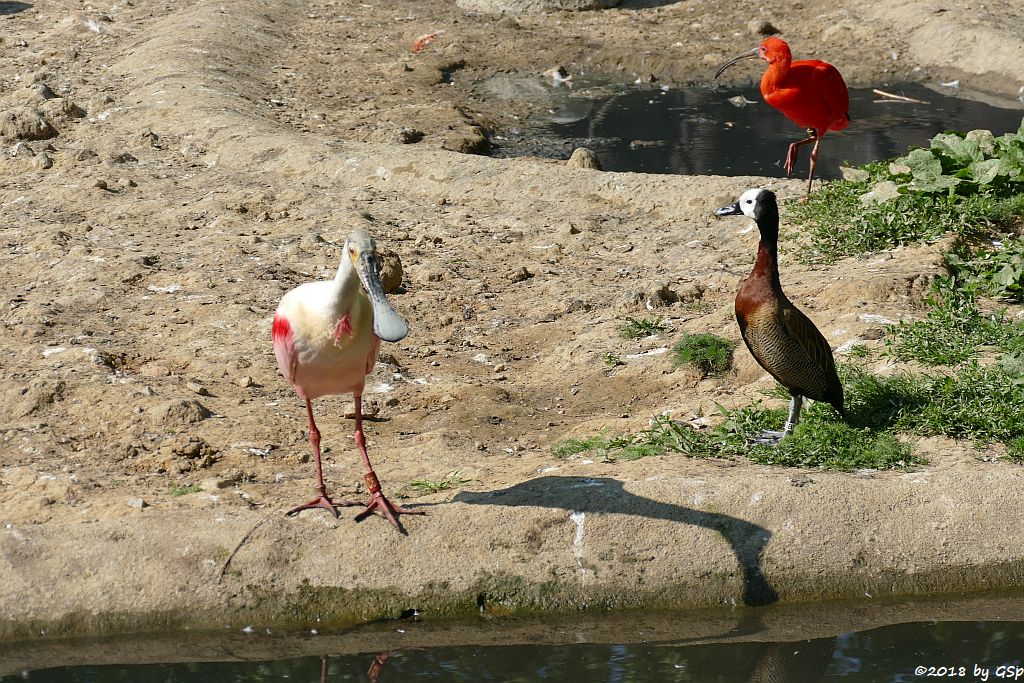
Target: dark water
<point>968,651</point>
<point>695,130</point>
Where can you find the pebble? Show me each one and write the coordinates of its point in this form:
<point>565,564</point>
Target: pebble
<point>520,274</point>
<point>154,371</point>
<point>762,27</point>
<point>244,381</point>
<point>137,503</point>
<point>43,161</point>
<point>178,412</point>
<point>22,151</point>
<point>197,388</point>
<point>408,136</point>
<point>584,158</point>
<point>101,184</point>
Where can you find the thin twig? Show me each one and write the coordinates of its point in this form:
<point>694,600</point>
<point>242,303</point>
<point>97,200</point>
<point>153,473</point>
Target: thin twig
<point>223,567</point>
<point>894,96</point>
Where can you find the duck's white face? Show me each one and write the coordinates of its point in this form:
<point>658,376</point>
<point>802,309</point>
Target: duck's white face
<point>748,202</point>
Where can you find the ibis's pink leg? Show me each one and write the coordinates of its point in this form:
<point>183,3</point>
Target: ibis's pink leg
<point>791,154</point>
<point>322,500</point>
<point>377,499</point>
<point>814,160</point>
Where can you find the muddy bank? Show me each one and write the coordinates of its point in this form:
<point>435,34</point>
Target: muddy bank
<point>222,155</point>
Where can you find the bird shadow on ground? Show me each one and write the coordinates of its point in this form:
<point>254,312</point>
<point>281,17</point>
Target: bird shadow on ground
<point>605,495</point>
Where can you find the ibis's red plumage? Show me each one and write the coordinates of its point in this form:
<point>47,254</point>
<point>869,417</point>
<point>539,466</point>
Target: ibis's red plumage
<point>811,93</point>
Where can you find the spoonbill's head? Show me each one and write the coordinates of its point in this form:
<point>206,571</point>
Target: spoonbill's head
<point>361,250</point>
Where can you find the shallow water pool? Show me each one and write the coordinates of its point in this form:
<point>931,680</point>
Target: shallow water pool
<point>782,643</point>
<point>697,130</point>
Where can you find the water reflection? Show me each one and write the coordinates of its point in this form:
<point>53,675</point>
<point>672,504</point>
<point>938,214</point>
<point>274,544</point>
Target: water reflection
<point>695,130</point>
<point>891,653</point>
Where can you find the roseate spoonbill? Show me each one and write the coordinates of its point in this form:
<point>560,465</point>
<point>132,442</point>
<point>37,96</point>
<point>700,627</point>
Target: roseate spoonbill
<point>782,339</point>
<point>811,93</point>
<point>326,338</point>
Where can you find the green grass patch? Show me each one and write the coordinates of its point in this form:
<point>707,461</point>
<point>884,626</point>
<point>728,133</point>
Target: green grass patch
<point>707,352</point>
<point>954,330</point>
<point>638,328</point>
<point>184,490</point>
<point>982,403</point>
<point>821,440</point>
<point>996,271</point>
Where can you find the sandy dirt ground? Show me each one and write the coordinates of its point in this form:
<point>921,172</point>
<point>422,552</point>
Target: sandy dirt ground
<point>170,171</point>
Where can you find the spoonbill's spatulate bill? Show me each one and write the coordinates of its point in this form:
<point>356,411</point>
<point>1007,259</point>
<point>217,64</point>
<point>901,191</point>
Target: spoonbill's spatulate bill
<point>781,338</point>
<point>326,338</point>
<point>811,93</point>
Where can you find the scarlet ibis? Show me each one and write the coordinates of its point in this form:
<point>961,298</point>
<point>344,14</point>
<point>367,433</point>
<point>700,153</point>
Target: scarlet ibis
<point>811,93</point>
<point>326,338</point>
<point>780,337</point>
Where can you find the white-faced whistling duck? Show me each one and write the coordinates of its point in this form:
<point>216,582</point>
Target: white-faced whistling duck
<point>782,339</point>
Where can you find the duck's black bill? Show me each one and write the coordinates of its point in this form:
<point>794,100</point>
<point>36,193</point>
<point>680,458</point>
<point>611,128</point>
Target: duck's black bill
<point>731,210</point>
<point>746,55</point>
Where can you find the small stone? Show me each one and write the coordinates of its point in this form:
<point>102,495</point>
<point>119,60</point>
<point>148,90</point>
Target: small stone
<point>85,154</point>
<point>584,158</point>
<point>137,503</point>
<point>100,184</point>
<point>572,230</point>
<point>43,161</point>
<point>42,91</point>
<point>154,371</point>
<point>22,151</point>
<point>177,412</point>
<point>762,27</point>
<point>872,333</point>
<point>197,388</point>
<point>371,408</point>
<point>390,270</point>
<point>122,157</point>
<point>520,274</point>
<point>214,484</point>
<point>408,136</point>
<point>244,381</point>
<point>854,175</point>
<point>25,123</point>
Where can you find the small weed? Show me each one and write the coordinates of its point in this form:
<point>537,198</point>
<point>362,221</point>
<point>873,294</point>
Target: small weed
<point>635,328</point>
<point>860,351</point>
<point>451,480</point>
<point>185,490</point>
<point>707,352</point>
<point>563,449</point>
<point>611,360</point>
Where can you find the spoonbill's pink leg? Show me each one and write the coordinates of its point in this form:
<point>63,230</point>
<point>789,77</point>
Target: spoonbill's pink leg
<point>377,498</point>
<point>322,500</point>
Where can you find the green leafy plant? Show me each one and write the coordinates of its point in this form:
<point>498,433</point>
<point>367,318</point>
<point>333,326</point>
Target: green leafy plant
<point>636,328</point>
<point>997,272</point>
<point>962,184</point>
<point>707,352</point>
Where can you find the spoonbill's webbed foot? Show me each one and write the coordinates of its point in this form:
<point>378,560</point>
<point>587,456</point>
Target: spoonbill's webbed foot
<point>378,501</point>
<point>325,502</point>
